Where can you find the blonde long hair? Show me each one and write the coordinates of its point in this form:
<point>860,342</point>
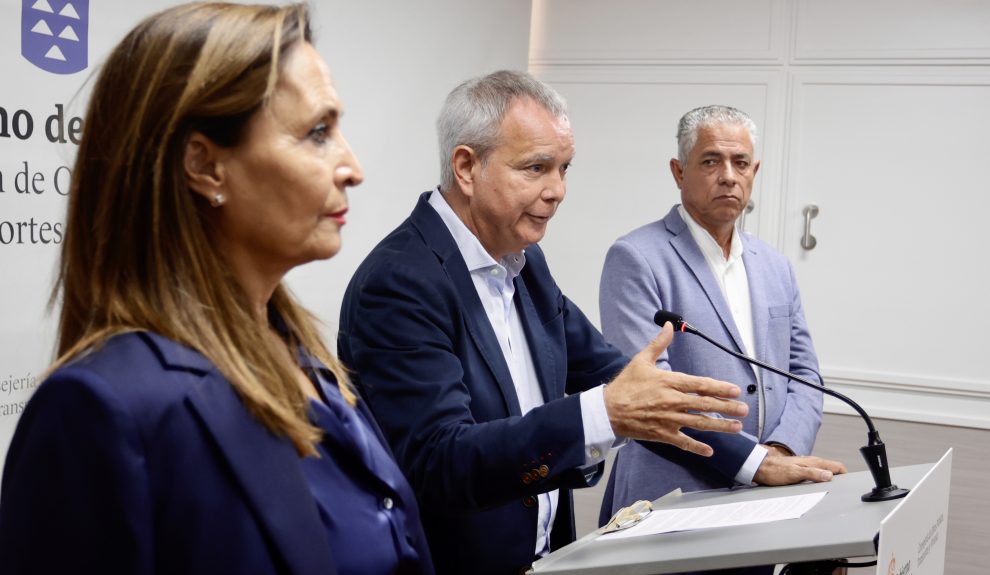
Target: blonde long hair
<point>136,254</point>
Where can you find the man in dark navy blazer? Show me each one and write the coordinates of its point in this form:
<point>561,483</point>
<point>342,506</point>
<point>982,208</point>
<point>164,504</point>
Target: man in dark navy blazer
<point>486,380</point>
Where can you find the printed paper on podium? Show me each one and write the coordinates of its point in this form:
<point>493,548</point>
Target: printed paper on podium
<point>722,515</point>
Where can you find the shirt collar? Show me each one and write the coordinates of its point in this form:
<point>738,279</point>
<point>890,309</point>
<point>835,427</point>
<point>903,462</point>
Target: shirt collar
<point>474,254</point>
<point>707,243</point>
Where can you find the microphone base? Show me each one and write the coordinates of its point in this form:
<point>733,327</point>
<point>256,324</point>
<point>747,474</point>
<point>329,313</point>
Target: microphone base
<point>885,493</point>
<point>875,454</point>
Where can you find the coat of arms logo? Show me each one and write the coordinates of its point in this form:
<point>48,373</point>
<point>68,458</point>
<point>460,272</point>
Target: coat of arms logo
<point>55,34</point>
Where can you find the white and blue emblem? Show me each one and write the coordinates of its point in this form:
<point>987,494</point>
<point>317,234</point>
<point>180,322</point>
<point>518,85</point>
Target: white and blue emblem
<point>55,34</point>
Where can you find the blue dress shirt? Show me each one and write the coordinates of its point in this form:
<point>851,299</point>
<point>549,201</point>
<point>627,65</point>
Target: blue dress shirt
<point>357,511</point>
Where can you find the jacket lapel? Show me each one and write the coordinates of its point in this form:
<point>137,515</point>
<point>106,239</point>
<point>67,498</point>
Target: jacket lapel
<point>538,341</point>
<point>265,466</point>
<point>685,246</point>
<point>438,238</point>
<point>757,275</point>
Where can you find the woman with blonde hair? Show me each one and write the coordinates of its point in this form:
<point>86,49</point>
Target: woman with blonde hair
<point>194,421</point>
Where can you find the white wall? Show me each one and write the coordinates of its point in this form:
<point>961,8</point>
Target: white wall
<point>877,112</point>
<point>393,63</point>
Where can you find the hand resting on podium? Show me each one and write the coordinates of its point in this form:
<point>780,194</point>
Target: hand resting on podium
<point>781,467</point>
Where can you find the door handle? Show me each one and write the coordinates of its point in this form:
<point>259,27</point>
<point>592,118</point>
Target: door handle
<point>808,241</point>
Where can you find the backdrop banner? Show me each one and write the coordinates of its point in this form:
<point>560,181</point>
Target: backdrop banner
<point>49,50</point>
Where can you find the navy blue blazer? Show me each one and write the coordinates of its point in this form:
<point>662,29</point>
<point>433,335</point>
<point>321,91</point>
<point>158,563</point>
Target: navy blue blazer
<point>426,358</point>
<point>141,458</point>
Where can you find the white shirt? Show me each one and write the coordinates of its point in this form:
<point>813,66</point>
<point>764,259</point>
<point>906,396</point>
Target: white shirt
<point>730,273</point>
<point>493,280</point>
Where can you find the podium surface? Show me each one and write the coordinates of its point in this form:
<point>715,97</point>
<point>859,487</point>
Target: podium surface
<point>841,525</point>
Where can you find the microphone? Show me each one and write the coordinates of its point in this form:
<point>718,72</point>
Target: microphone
<point>874,452</point>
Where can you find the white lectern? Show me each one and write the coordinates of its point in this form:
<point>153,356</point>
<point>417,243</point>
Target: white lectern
<point>841,525</point>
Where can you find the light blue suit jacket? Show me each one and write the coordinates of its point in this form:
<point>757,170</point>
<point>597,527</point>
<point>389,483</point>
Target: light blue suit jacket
<point>659,266</point>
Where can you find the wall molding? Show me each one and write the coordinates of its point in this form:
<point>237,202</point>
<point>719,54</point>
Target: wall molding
<point>582,32</point>
<point>624,74</point>
<point>668,58</point>
<point>902,58</point>
<point>902,41</point>
<point>943,401</point>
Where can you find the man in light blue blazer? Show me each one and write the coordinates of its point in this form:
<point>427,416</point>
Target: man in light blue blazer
<point>734,288</point>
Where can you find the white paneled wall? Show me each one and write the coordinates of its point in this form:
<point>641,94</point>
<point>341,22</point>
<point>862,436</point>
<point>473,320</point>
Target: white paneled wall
<point>898,281</point>
<point>910,32</point>
<point>877,112</point>
<point>681,32</point>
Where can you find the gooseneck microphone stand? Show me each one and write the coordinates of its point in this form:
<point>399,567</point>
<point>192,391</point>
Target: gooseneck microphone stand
<point>874,452</point>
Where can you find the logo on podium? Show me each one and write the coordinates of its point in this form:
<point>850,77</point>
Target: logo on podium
<point>55,34</point>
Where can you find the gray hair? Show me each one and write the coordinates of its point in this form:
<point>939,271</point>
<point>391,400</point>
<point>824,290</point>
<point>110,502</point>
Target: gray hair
<point>473,113</point>
<point>706,117</point>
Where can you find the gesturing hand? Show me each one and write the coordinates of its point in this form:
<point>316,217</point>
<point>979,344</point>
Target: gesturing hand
<point>644,402</point>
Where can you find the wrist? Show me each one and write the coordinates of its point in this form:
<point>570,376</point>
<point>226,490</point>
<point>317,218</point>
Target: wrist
<point>778,449</point>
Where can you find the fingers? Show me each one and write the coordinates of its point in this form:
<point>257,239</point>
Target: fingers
<point>668,428</point>
<point>705,423</point>
<point>665,425</point>
<point>815,475</point>
<point>729,407</point>
<point>702,385</point>
<point>776,470</point>
<point>644,402</point>
<point>702,393</point>
<point>784,471</point>
<point>694,446</point>
<point>708,404</point>
<point>836,467</point>
<point>681,441</point>
<point>652,351</point>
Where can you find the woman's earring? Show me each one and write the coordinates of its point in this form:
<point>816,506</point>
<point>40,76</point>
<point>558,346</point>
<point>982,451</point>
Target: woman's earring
<point>218,200</point>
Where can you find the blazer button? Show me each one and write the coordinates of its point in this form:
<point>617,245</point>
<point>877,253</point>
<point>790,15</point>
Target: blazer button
<point>387,503</point>
<point>751,388</point>
<point>529,501</point>
<point>543,471</point>
<point>526,479</point>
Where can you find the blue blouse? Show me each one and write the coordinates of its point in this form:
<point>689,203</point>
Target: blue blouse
<point>362,497</point>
